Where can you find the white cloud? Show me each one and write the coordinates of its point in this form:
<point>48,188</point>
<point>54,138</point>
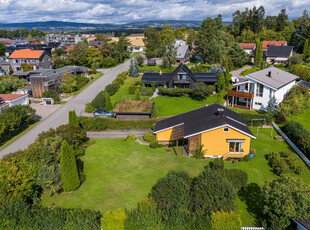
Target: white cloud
<point>109,11</point>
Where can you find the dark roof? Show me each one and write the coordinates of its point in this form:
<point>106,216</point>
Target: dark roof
<point>279,51</point>
<point>165,77</point>
<point>305,83</point>
<point>305,223</point>
<point>204,118</point>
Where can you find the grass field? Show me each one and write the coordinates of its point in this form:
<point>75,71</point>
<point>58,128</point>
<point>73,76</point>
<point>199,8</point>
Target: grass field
<point>168,106</point>
<point>120,173</point>
<point>303,119</point>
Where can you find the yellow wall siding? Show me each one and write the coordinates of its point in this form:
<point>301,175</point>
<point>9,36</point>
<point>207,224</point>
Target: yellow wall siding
<point>164,135</point>
<point>215,141</point>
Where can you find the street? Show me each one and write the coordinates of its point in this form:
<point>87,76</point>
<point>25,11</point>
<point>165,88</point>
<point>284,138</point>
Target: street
<point>60,116</point>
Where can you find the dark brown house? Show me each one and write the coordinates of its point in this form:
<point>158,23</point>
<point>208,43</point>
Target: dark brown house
<point>181,77</point>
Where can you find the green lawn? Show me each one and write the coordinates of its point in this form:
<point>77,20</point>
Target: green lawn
<point>156,68</point>
<point>120,173</point>
<point>247,71</point>
<point>238,110</point>
<point>169,106</point>
<point>303,119</point>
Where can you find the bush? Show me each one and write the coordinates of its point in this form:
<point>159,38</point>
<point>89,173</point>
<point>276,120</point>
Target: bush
<point>225,220</point>
<point>296,59</point>
<point>140,59</point>
<point>113,220</point>
<point>81,81</point>
<point>174,92</point>
<point>155,145</point>
<point>149,91</point>
<point>89,108</point>
<point>51,94</point>
<point>109,62</point>
<point>131,137</point>
<point>154,111</point>
<point>101,123</point>
<point>112,88</point>
<point>217,163</point>
<point>134,87</point>
<point>237,177</point>
<point>73,118</point>
<point>149,136</point>
<point>286,153</point>
<point>249,119</point>
<point>172,191</point>
<point>137,95</point>
<point>99,101</point>
<point>301,71</point>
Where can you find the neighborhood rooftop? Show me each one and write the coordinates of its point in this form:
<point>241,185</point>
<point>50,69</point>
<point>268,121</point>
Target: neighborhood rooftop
<point>203,119</point>
<point>51,72</point>
<point>273,77</point>
<point>27,54</point>
<point>279,51</point>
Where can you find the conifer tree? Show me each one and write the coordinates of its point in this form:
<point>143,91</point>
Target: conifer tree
<point>272,105</point>
<point>69,173</point>
<point>130,71</point>
<point>258,54</point>
<point>108,103</point>
<point>306,49</point>
<point>137,67</point>
<point>72,117</point>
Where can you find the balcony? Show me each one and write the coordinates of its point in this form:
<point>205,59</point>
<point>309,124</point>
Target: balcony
<point>180,81</point>
<point>246,95</point>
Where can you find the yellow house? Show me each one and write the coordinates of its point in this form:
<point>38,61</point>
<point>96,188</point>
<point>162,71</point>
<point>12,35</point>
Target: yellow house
<point>220,131</point>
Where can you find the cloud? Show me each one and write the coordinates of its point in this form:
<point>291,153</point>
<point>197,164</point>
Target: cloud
<point>120,11</point>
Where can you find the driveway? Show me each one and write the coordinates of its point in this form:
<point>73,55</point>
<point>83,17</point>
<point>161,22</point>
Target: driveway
<point>60,116</point>
<point>236,73</point>
<point>116,133</point>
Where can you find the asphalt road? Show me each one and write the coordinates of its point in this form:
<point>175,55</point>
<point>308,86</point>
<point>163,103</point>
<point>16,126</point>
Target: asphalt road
<point>60,116</point>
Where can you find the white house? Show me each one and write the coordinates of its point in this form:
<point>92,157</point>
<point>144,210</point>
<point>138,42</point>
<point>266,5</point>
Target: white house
<point>9,100</point>
<point>179,42</point>
<point>255,89</point>
<point>248,47</point>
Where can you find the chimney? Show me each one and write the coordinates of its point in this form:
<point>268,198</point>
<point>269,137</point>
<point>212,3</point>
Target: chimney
<point>220,111</point>
<point>160,73</point>
<point>269,74</point>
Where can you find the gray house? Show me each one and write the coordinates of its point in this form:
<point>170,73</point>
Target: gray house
<point>39,59</point>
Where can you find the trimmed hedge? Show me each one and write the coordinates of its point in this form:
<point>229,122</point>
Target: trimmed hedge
<point>174,92</point>
<point>101,123</point>
<point>247,118</point>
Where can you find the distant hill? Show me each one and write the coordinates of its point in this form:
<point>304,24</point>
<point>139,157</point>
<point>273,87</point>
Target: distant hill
<point>59,26</point>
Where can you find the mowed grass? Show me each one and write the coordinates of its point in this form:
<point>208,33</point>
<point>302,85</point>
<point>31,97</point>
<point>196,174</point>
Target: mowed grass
<point>120,173</point>
<point>169,106</point>
<point>303,119</point>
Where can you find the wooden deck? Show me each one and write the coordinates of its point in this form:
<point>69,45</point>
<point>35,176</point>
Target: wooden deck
<point>233,93</point>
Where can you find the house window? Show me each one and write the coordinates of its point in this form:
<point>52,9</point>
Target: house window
<point>235,147</point>
<point>181,76</point>
<point>259,90</point>
<point>270,93</point>
<point>226,129</point>
<point>258,103</point>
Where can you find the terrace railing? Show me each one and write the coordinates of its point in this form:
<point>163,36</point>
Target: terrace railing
<point>300,153</point>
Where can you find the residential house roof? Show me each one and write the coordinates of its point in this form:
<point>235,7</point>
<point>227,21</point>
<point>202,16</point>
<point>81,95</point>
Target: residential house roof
<point>95,43</point>
<point>27,54</point>
<point>248,46</point>
<point>305,83</point>
<point>2,102</point>
<point>277,79</point>
<point>279,51</point>
<point>69,48</point>
<point>181,51</point>
<point>267,44</point>
<point>304,223</point>
<point>10,97</point>
<point>204,119</point>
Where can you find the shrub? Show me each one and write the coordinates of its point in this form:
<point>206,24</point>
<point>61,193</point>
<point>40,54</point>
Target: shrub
<point>131,137</point>
<point>154,111</point>
<point>155,145</point>
<point>108,62</point>
<point>285,153</point>
<point>296,59</point>
<point>73,118</point>
<point>278,165</point>
<point>69,173</point>
<point>81,81</point>
<point>108,104</point>
<point>199,91</point>
<point>89,108</point>
<point>149,136</point>
<point>51,94</point>
<point>199,153</point>
<point>137,95</point>
<point>113,220</point>
<point>217,163</point>
<point>140,59</point>
<point>172,191</point>
<point>301,71</point>
<point>134,87</point>
<point>225,220</point>
<point>174,92</point>
<point>149,91</point>
<point>112,88</point>
<point>249,119</point>
<point>99,101</point>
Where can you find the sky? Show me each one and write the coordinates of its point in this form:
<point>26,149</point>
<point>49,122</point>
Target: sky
<point>119,11</point>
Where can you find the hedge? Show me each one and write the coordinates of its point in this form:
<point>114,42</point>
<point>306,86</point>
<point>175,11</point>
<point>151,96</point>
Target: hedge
<point>174,92</point>
<point>248,119</point>
<point>101,123</point>
<point>133,87</point>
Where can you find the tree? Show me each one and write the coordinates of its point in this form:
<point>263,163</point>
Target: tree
<point>152,42</point>
<point>29,38</point>
<point>172,191</point>
<point>214,51</point>
<point>170,54</point>
<point>2,49</point>
<point>301,33</point>
<point>137,95</point>
<point>69,172</point>
<point>93,55</point>
<point>199,91</point>
<point>78,55</point>
<point>69,81</point>
<point>131,67</point>
<point>99,101</point>
<point>136,69</point>
<point>211,192</point>
<point>121,48</point>
<point>108,103</point>
<point>258,53</point>
<point>237,55</point>
<point>227,75</point>
<point>222,220</point>
<point>272,105</point>
<point>306,49</point>
<point>220,82</point>
<point>73,119</point>
<point>140,59</point>
<point>281,20</point>
<point>285,198</point>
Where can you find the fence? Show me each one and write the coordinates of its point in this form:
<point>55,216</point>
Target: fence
<point>303,157</point>
<point>252,228</point>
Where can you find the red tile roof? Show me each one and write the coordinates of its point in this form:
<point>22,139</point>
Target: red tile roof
<point>10,97</point>
<point>69,48</point>
<point>247,45</point>
<point>27,54</point>
<point>266,44</point>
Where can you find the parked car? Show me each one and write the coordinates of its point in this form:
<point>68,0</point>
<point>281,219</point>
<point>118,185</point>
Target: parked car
<point>103,113</point>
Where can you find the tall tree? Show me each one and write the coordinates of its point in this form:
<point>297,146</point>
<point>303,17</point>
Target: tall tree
<point>121,48</point>
<point>2,49</point>
<point>214,51</point>
<point>301,33</point>
<point>281,20</point>
<point>78,54</point>
<point>108,103</point>
<point>258,53</point>
<point>93,55</point>
<point>152,42</point>
<point>69,172</point>
<point>227,75</point>
<point>306,49</point>
<point>237,55</point>
<point>170,54</point>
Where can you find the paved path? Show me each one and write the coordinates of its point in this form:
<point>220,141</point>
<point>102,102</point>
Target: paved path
<point>116,133</point>
<point>60,116</point>
<point>236,73</point>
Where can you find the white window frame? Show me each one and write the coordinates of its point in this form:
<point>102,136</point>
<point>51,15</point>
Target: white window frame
<point>227,128</point>
<point>258,87</point>
<point>240,147</point>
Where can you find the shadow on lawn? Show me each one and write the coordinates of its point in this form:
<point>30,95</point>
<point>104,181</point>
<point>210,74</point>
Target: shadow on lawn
<point>252,196</point>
